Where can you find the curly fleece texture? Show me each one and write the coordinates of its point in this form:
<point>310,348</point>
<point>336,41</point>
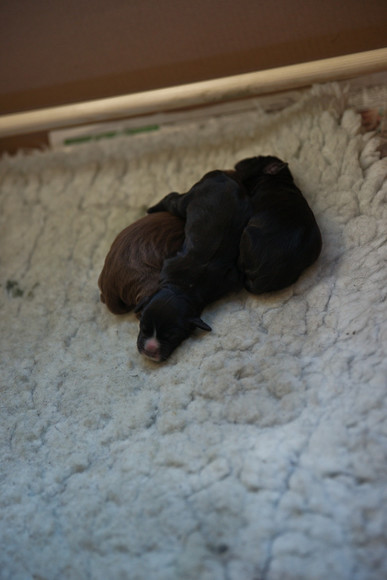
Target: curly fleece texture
<point>258,452</point>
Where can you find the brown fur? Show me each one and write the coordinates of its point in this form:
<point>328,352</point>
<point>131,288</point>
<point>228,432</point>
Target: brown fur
<point>132,267</point>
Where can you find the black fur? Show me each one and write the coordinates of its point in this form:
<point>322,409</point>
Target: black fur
<point>282,238</point>
<point>216,210</point>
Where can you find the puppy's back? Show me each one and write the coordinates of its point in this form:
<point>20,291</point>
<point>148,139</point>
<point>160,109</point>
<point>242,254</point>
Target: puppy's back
<point>275,250</point>
<point>132,266</point>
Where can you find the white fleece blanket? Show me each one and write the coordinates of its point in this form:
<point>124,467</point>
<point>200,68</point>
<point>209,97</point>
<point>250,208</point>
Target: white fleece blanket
<point>258,451</point>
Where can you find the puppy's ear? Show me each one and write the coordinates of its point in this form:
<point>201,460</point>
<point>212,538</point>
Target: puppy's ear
<point>275,167</point>
<point>143,302</point>
<point>199,323</point>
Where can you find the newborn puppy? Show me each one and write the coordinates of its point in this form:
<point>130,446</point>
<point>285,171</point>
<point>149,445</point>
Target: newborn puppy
<point>216,210</point>
<point>282,238</point>
<point>132,266</point>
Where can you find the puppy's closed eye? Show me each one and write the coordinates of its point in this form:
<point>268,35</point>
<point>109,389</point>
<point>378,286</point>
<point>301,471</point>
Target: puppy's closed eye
<point>170,335</point>
<point>147,329</point>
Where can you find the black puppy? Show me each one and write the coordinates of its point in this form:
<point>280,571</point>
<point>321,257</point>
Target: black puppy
<point>216,210</point>
<point>282,238</point>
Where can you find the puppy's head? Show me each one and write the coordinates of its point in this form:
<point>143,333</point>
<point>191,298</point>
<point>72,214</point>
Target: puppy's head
<point>166,320</point>
<point>253,168</point>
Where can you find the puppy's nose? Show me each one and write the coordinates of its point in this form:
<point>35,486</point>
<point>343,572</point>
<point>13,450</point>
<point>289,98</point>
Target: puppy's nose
<point>152,345</point>
<point>152,348</point>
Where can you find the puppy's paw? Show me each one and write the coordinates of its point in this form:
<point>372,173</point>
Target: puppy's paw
<point>166,204</point>
<point>156,208</point>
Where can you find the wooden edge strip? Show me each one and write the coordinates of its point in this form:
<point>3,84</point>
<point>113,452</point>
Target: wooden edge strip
<point>200,93</point>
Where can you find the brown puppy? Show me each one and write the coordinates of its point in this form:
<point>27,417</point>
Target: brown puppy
<point>132,266</point>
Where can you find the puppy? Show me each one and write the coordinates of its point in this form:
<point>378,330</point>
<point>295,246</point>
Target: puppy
<point>132,267</point>
<point>216,210</point>
<point>282,238</point>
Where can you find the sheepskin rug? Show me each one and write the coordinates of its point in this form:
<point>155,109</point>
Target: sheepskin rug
<point>258,451</point>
